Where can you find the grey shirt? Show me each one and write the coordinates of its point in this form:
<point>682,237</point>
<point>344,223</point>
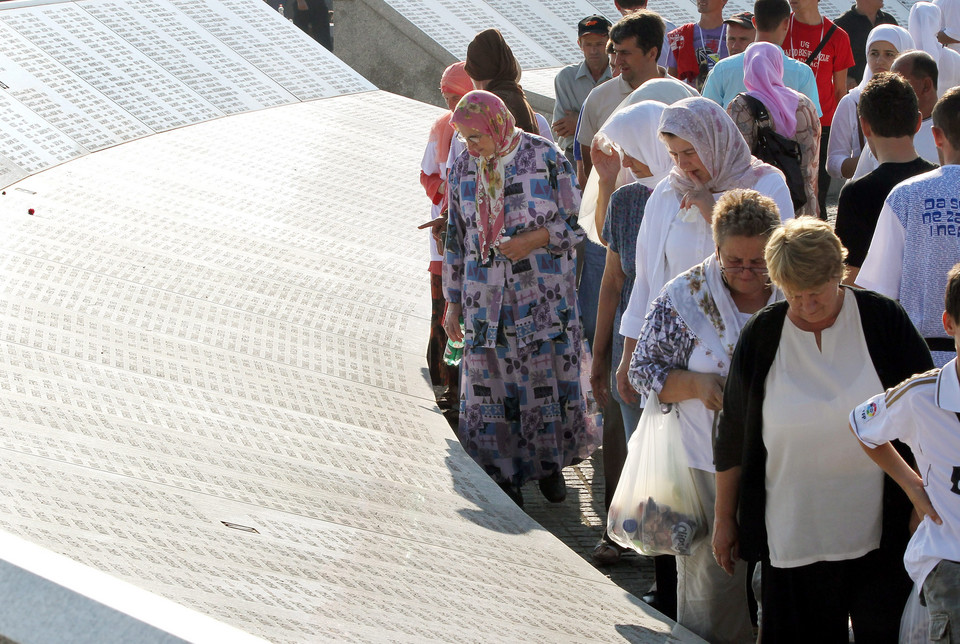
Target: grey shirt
<point>571,86</point>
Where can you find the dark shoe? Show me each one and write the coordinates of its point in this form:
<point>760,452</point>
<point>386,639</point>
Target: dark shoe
<point>606,552</point>
<point>514,492</point>
<point>554,488</point>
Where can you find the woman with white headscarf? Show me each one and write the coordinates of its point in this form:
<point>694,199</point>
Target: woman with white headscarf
<point>925,18</point>
<point>632,136</point>
<point>884,44</point>
<point>792,114</point>
<point>628,140</point>
<point>710,157</point>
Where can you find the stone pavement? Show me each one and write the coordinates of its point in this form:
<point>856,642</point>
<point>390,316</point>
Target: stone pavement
<point>579,521</point>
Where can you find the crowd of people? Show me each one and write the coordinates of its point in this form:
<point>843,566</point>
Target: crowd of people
<point>674,240</point>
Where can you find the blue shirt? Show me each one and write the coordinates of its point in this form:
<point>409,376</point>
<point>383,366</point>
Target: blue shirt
<point>726,80</point>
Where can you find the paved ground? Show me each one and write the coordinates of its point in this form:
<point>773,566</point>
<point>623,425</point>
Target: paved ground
<point>579,520</point>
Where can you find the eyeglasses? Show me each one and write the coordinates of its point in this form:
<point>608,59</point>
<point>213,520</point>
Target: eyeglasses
<point>760,271</point>
<point>473,138</point>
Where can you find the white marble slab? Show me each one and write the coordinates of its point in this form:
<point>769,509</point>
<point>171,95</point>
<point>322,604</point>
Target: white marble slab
<point>540,81</point>
<point>79,76</point>
<point>211,387</point>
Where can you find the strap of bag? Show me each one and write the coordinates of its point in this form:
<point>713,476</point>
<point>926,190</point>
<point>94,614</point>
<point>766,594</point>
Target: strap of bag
<point>823,43</point>
<point>757,109</point>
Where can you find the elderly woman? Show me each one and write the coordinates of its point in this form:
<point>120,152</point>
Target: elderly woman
<point>683,354</point>
<point>509,271</point>
<point>793,491</point>
<point>884,44</point>
<point>791,114</point>
<point>710,157</point>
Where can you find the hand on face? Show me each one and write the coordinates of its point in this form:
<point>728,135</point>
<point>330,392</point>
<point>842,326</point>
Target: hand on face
<point>606,165</point>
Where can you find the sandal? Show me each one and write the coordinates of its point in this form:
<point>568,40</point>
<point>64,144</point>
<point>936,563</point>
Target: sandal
<point>606,552</point>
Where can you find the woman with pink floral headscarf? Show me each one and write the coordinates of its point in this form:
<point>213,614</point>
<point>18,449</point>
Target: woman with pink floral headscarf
<point>792,114</point>
<point>509,272</point>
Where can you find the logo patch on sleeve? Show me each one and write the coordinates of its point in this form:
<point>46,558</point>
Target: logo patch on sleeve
<point>867,410</point>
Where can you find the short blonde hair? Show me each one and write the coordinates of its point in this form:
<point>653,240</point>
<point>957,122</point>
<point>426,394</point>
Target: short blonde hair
<point>803,254</point>
<point>744,213</point>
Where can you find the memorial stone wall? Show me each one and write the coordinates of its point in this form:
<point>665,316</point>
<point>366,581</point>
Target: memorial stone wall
<point>213,312</point>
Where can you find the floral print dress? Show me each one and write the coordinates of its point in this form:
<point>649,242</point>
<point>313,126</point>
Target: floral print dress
<point>522,408</point>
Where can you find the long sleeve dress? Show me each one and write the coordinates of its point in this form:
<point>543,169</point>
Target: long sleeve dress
<point>522,409</point>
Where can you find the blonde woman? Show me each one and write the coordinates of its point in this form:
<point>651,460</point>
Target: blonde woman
<point>793,491</point>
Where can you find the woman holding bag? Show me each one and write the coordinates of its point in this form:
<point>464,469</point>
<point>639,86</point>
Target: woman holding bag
<point>630,135</point>
<point>683,354</point>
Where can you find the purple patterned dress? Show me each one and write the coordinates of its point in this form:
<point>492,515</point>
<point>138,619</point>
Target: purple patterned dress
<point>522,410</point>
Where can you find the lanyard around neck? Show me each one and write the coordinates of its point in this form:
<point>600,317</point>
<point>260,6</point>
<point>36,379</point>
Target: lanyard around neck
<point>816,63</point>
<point>720,43</point>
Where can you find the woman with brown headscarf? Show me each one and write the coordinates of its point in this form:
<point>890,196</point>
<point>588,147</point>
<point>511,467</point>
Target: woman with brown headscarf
<point>493,67</point>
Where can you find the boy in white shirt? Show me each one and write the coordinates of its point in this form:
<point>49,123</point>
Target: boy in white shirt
<point>924,413</point>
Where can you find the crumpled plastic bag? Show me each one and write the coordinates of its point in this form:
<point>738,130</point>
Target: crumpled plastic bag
<point>656,509</point>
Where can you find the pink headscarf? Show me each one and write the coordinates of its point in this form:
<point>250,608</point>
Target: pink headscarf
<point>763,78</point>
<point>453,81</point>
<point>718,143</point>
<point>486,113</point>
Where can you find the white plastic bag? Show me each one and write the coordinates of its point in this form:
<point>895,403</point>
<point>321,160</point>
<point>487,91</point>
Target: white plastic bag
<point>915,623</point>
<point>656,509</point>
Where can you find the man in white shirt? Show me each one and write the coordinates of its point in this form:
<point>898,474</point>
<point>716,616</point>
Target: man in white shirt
<point>924,413</point>
<point>920,70</point>
<point>917,239</point>
<point>637,39</point>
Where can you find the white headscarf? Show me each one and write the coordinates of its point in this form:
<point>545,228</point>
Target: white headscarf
<point>896,36</point>
<point>634,131</point>
<point>666,90</point>
<point>925,20</point>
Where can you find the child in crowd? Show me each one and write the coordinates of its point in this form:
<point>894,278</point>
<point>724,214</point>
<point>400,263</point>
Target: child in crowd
<point>924,413</point>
